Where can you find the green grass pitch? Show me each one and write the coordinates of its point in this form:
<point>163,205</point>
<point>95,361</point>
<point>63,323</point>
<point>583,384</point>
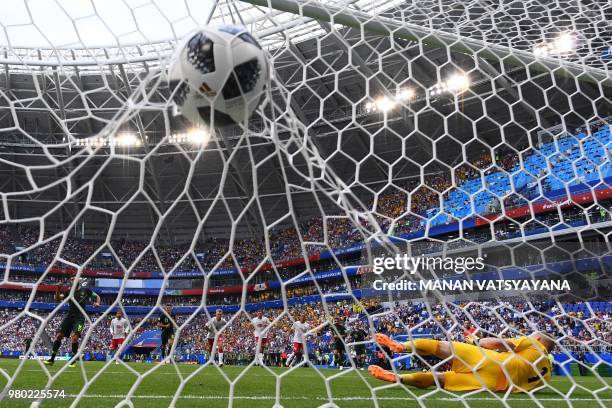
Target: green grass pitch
<point>208,386</point>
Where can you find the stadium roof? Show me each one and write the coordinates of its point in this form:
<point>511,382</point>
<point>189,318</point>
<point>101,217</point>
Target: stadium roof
<point>91,33</point>
<point>50,32</point>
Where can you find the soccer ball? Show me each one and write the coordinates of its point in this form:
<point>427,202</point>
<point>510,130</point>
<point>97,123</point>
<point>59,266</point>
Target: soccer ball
<point>217,75</point>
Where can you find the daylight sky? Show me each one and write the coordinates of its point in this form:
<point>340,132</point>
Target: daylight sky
<point>90,23</point>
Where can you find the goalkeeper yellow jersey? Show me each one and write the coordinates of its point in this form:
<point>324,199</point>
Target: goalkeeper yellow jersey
<point>529,366</point>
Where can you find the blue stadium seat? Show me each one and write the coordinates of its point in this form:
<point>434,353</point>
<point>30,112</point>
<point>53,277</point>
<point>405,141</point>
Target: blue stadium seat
<point>587,152</point>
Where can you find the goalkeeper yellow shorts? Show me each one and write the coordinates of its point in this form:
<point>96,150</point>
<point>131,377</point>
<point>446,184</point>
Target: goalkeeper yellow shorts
<point>475,368</point>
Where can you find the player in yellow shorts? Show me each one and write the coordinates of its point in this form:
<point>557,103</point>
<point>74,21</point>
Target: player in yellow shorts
<point>521,364</point>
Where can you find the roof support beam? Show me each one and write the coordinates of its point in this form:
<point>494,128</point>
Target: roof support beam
<point>13,209</point>
<point>240,185</point>
<point>76,205</point>
<point>297,109</point>
<point>149,159</point>
<point>78,82</point>
<point>508,86</point>
<point>378,85</point>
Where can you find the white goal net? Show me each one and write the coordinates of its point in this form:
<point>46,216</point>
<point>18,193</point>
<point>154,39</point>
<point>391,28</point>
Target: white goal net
<point>438,172</point>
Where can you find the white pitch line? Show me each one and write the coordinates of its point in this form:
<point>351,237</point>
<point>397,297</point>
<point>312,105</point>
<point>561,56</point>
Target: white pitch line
<point>300,375</point>
<point>310,398</point>
<point>304,374</point>
<point>293,375</point>
<point>205,374</point>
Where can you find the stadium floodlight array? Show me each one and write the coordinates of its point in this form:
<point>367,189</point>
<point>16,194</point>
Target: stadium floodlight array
<point>365,98</point>
<point>196,136</point>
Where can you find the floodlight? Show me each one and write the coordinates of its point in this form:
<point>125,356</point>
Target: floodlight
<point>127,139</point>
<point>199,136</point>
<point>384,104</point>
<point>457,83</point>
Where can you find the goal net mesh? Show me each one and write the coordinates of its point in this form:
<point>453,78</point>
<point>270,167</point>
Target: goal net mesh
<point>389,130</point>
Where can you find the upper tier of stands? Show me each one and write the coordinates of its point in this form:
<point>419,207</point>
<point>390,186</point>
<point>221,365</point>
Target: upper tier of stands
<point>573,159</point>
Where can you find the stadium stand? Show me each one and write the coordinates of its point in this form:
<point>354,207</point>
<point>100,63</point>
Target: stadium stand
<point>487,182</point>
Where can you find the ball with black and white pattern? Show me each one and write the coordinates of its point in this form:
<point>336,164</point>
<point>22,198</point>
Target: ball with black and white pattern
<point>217,75</point>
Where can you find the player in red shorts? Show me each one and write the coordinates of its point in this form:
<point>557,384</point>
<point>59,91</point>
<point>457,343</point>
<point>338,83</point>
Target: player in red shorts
<point>215,325</point>
<point>261,324</point>
<point>119,328</point>
<point>300,329</point>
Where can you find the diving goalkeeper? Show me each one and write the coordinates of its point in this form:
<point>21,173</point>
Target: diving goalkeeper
<point>521,364</point>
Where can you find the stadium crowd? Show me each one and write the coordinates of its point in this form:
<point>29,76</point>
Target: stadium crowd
<point>323,287</point>
<point>506,318</point>
<point>400,210</point>
<point>237,337</point>
<point>249,253</point>
<point>397,210</point>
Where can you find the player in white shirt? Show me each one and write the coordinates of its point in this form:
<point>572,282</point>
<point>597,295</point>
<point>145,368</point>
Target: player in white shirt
<point>214,326</point>
<point>300,329</point>
<point>119,328</point>
<point>261,324</point>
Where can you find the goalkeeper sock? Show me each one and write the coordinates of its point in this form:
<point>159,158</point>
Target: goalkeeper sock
<point>56,346</point>
<point>220,358</point>
<point>423,347</point>
<point>419,380</point>
<point>163,352</point>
